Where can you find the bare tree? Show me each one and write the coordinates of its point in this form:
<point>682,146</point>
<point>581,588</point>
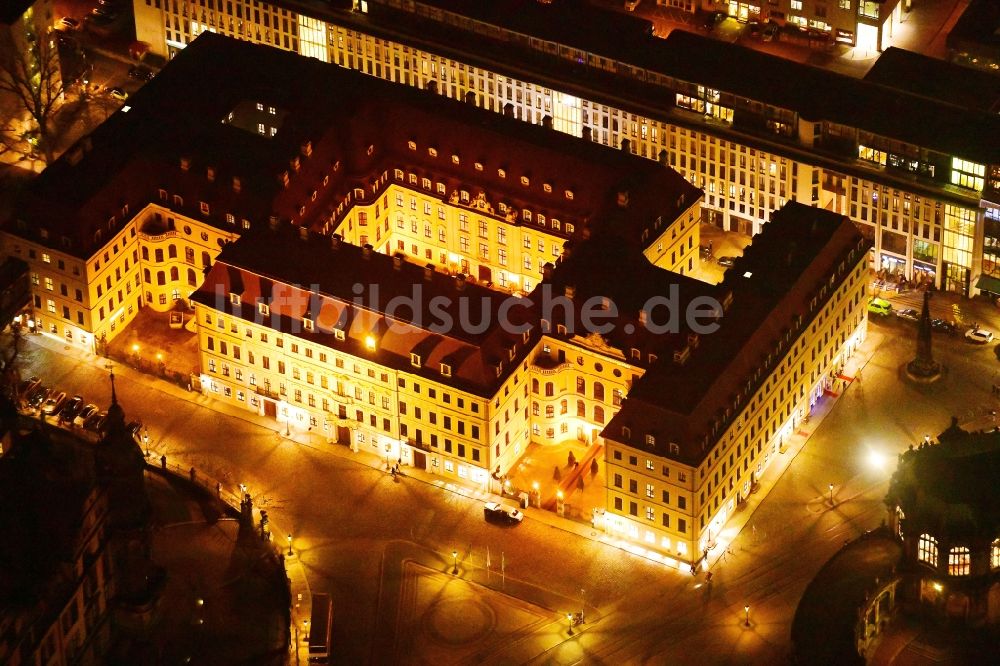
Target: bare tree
<point>29,72</point>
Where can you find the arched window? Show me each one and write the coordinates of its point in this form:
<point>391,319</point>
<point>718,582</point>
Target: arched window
<point>189,255</point>
<point>550,389</point>
<point>598,391</point>
<point>581,409</point>
<point>564,406</point>
<point>598,414</point>
<point>172,251</point>
<point>534,386</point>
<point>581,385</point>
<point>958,561</point>
<point>995,554</point>
<point>550,411</point>
<point>174,274</point>
<point>927,550</point>
<point>206,260</point>
<point>161,278</point>
<point>145,275</point>
<point>534,409</point>
<point>159,255</point>
<point>145,253</point>
<point>192,277</point>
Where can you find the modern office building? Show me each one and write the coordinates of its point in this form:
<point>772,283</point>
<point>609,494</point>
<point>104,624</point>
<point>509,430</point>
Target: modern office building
<point>973,40</point>
<point>867,24</point>
<point>752,130</point>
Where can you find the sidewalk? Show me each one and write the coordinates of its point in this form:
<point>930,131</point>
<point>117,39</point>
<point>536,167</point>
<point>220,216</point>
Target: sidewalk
<point>301,604</point>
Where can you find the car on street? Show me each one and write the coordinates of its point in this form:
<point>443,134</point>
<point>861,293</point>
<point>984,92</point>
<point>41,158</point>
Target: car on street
<point>496,512</point>
<point>879,306</point>
<point>53,403</point>
<point>68,23</point>
<point>140,73</point>
<point>95,422</point>
<point>118,93</point>
<point>727,261</point>
<point>908,313</point>
<point>27,386</point>
<point>944,326</point>
<point>770,32</point>
<point>979,336</point>
<point>71,408</point>
<point>712,19</point>
<point>38,396</point>
<point>85,413</point>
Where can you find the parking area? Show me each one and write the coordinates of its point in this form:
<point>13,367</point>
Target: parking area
<point>719,249</point>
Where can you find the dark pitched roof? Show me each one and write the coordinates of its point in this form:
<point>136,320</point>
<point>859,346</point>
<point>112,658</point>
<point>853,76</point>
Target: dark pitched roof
<point>356,128</point>
<point>771,288</point>
<point>937,79</point>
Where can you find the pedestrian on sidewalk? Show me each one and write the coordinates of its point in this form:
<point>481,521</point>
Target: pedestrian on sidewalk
<point>192,473</point>
<point>163,461</point>
<point>218,489</point>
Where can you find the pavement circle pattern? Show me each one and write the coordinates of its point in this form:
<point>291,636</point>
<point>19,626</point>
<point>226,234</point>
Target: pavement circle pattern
<point>459,621</point>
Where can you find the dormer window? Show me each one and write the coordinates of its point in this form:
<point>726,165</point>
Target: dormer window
<point>569,194</point>
<point>398,173</point>
<point>455,160</point>
<point>415,360</point>
<point>339,334</point>
<point>526,214</point>
<point>210,174</point>
<point>445,370</point>
<point>412,145</point>
<point>626,433</point>
<point>675,450</point>
<point>464,196</point>
<point>230,218</point>
<point>204,208</point>
<point>264,309</point>
<point>441,189</point>
<point>546,187</point>
<point>185,164</point>
<point>650,440</point>
<point>307,323</point>
<point>234,298</point>
<point>525,181</point>
<point>237,184</point>
<point>501,173</point>
<point>432,152</point>
<point>560,329</point>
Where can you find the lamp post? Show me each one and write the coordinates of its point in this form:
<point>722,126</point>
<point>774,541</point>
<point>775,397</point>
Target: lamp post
<point>831,494</point>
<point>746,615</point>
<point>454,559</point>
<point>289,537</point>
<point>145,439</point>
<point>569,618</point>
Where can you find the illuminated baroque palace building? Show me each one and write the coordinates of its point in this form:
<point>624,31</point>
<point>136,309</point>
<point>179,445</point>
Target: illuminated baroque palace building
<point>297,205</point>
<point>751,130</point>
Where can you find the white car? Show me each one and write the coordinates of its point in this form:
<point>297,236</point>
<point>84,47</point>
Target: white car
<point>501,513</point>
<point>979,335</point>
<point>85,414</point>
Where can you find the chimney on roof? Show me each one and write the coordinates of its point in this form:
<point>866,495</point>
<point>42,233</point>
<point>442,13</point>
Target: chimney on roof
<point>397,262</point>
<point>366,251</point>
<point>428,272</point>
<point>508,110</point>
<point>547,122</point>
<point>547,270</point>
<point>586,134</point>
<point>626,146</point>
<point>335,242</point>
<point>307,148</point>
<point>570,291</point>
<point>460,281</point>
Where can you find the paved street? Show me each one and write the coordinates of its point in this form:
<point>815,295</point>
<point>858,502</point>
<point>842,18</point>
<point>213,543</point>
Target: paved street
<point>355,528</point>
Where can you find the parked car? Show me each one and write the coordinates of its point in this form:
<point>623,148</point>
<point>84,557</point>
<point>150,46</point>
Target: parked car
<point>95,422</point>
<point>727,261</point>
<point>53,403</point>
<point>140,73</point>
<point>770,32</point>
<point>39,396</point>
<point>712,19</point>
<point>68,23</point>
<point>494,511</point>
<point>71,408</point>
<point>27,386</point>
<point>118,93</point>
<point>85,413</point>
<point>944,326</point>
<point>979,336</point>
<point>908,313</point>
<point>104,12</point>
<point>705,251</point>
<point>879,306</point>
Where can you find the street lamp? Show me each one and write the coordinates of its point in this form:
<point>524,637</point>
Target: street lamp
<point>831,494</point>
<point>746,615</point>
<point>289,537</point>
<point>569,618</point>
<point>454,559</point>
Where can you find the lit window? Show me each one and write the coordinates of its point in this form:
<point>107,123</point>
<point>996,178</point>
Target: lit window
<point>927,550</point>
<point>958,561</point>
<point>995,554</point>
